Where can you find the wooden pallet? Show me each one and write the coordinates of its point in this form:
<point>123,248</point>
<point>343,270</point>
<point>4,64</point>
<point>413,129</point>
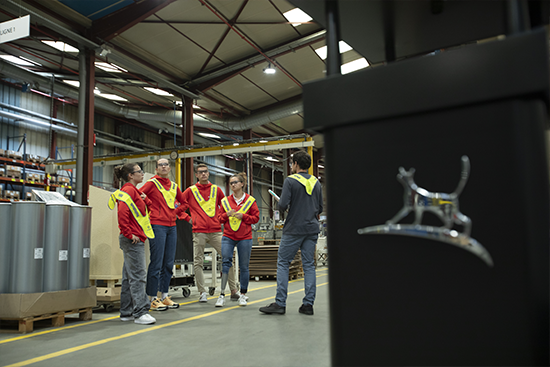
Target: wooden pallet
<point>26,324</point>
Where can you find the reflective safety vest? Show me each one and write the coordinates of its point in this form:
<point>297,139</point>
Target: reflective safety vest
<point>169,196</point>
<point>235,223</point>
<point>143,220</point>
<point>209,206</point>
<point>309,183</point>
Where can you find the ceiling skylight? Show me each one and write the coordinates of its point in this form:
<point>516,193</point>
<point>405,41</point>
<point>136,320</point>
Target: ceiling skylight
<point>110,67</point>
<point>297,15</point>
<point>354,65</point>
<point>61,46</point>
<point>19,60</point>
<point>344,47</point>
<point>157,91</point>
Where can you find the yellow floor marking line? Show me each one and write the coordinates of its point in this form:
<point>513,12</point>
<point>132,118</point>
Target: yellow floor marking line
<point>116,317</point>
<point>124,336</point>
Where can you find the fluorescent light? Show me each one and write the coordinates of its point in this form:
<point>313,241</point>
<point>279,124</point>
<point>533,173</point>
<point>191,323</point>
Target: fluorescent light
<point>235,144</point>
<point>297,15</point>
<point>19,60</point>
<point>270,158</point>
<point>263,141</point>
<point>207,135</point>
<point>110,67</point>
<point>195,106</point>
<point>320,166</point>
<point>270,69</point>
<point>354,65</point>
<point>61,46</point>
<point>74,83</point>
<point>113,97</point>
<point>342,46</point>
<point>157,91</point>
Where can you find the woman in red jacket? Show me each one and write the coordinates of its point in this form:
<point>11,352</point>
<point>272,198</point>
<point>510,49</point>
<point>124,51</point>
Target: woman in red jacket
<point>133,221</point>
<point>238,212</point>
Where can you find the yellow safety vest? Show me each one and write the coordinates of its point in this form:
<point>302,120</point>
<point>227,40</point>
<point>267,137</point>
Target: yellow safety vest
<point>143,220</point>
<point>209,206</point>
<point>309,183</point>
<point>169,196</point>
<point>235,223</point>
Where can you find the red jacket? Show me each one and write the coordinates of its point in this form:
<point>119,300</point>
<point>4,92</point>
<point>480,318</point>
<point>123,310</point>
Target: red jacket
<point>126,222</point>
<point>160,213</point>
<point>202,223</point>
<point>250,217</point>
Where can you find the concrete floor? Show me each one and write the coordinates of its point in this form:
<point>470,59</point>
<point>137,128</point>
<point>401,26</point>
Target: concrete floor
<point>196,334</point>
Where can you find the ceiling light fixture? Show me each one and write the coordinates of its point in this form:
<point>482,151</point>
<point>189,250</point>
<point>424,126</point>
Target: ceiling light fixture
<point>208,135</point>
<point>108,67</point>
<point>157,91</point>
<point>61,46</point>
<point>270,69</point>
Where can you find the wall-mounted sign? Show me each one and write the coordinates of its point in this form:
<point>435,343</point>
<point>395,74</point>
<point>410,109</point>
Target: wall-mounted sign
<point>443,205</point>
<point>15,29</point>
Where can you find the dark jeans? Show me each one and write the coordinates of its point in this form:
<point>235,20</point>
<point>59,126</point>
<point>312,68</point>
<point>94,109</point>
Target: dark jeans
<point>163,252</point>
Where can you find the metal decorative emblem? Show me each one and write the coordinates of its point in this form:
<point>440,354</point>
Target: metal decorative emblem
<point>444,206</point>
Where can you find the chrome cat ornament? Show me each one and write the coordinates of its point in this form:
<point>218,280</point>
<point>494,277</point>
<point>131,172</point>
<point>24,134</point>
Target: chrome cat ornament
<point>444,206</point>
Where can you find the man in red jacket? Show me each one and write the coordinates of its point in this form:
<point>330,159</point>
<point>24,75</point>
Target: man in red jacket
<point>163,194</point>
<point>204,201</point>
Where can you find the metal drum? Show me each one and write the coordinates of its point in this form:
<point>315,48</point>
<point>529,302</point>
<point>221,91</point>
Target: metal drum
<point>56,245</point>
<point>27,246</point>
<point>79,246</point>
<point>5,246</point>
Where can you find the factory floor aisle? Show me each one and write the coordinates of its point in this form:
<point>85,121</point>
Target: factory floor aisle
<point>196,334</point>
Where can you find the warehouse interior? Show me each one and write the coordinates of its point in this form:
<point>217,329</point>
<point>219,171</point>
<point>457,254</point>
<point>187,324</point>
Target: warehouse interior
<point>96,84</point>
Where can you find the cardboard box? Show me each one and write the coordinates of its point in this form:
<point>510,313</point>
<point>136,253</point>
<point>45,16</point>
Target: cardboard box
<point>21,305</point>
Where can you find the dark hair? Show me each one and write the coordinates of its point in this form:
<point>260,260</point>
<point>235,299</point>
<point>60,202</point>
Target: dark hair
<point>242,178</point>
<point>200,165</point>
<point>122,172</point>
<point>302,158</point>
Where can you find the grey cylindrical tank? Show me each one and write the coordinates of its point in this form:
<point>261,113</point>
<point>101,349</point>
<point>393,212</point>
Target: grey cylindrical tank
<point>79,246</point>
<point>27,246</point>
<point>5,246</point>
<point>56,248</point>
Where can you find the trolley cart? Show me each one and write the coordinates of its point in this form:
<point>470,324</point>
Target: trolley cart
<point>183,275</point>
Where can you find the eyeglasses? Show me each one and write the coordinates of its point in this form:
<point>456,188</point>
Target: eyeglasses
<point>140,171</point>
<point>234,182</point>
<point>202,172</point>
<point>163,164</point>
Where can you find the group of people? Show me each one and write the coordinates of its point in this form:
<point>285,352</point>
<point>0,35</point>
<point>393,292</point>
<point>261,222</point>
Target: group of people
<point>151,212</point>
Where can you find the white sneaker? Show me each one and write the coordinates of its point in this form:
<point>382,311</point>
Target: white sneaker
<point>242,300</point>
<point>221,301</point>
<point>145,319</point>
<point>237,296</point>
<point>127,318</point>
<point>203,297</point>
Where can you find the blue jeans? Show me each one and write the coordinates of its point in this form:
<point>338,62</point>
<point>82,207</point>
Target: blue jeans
<point>244,247</point>
<point>163,252</point>
<point>133,300</point>
<point>290,244</point>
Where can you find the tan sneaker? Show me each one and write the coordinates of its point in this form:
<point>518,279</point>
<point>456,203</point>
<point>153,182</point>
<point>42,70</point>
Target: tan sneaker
<point>157,305</point>
<point>169,303</point>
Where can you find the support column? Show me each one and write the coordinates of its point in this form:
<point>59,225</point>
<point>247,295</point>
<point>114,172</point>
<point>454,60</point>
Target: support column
<point>315,163</point>
<point>88,143</point>
<point>247,135</point>
<point>53,142</point>
<point>187,140</point>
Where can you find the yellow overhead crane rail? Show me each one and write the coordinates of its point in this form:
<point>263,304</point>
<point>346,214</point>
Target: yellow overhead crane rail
<point>245,147</point>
